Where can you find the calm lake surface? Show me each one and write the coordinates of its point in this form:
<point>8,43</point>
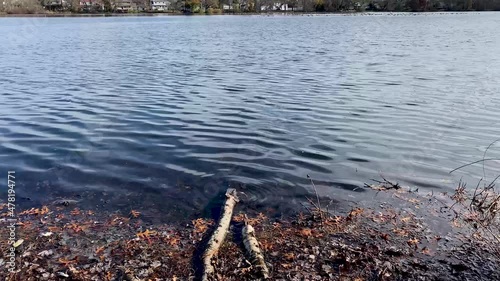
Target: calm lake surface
<point>164,113</point>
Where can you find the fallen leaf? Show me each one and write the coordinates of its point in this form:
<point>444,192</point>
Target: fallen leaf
<point>413,241</point>
<point>406,219</point>
<point>66,262</point>
<point>400,232</point>
<point>18,243</point>
<point>289,256</point>
<point>99,250</point>
<point>75,212</point>
<point>305,232</point>
<point>239,218</point>
<point>426,251</point>
<point>355,212</point>
<point>146,234</point>
<point>135,213</point>
<point>201,225</point>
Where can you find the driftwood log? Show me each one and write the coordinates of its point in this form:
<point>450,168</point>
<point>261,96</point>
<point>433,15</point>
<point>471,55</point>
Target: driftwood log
<point>219,234</point>
<point>253,250</point>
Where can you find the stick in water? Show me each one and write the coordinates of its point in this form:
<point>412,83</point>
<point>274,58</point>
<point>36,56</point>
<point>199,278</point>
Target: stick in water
<point>219,234</point>
<point>252,247</point>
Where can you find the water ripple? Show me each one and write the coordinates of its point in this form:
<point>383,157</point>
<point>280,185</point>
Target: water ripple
<point>175,110</point>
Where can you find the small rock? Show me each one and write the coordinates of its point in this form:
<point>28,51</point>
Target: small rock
<point>388,266</point>
<point>326,268</point>
<point>156,264</point>
<point>312,257</point>
<point>65,202</point>
<point>26,254</point>
<point>62,274</point>
<point>45,253</point>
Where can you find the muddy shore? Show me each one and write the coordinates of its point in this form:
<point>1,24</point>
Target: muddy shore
<point>405,241</point>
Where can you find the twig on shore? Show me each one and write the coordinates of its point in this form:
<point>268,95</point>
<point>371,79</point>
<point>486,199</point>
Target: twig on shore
<point>474,162</point>
<point>484,156</point>
<point>383,185</point>
<point>318,203</point>
<point>219,234</point>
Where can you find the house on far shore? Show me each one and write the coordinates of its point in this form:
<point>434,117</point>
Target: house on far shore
<point>54,5</point>
<point>125,6</point>
<point>278,6</point>
<point>231,7</point>
<point>92,5</point>
<point>160,5</point>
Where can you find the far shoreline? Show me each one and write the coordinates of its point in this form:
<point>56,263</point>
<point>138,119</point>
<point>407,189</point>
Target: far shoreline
<point>84,15</point>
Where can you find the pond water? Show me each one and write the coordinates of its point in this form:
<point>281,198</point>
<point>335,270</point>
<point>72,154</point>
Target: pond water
<point>164,113</point>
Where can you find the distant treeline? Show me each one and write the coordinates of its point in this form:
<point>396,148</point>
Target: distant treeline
<point>241,6</point>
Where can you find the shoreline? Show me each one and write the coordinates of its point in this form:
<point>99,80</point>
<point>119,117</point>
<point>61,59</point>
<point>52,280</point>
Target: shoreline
<point>386,242</point>
<point>92,15</point>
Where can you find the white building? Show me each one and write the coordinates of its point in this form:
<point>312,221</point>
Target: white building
<point>160,5</point>
<point>276,6</point>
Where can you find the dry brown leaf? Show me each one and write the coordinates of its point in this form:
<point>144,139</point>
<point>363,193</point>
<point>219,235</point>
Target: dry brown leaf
<point>53,228</point>
<point>414,201</point>
<point>201,225</point>
<point>134,213</point>
<point>99,250</point>
<point>146,234</point>
<point>66,262</point>
<point>305,232</point>
<point>76,227</point>
<point>356,212</point>
<point>239,218</point>
<point>406,219</point>
<point>75,212</point>
<point>413,241</point>
<point>400,232</point>
<point>289,256</point>
<point>426,251</point>
<point>385,236</point>
<point>174,241</point>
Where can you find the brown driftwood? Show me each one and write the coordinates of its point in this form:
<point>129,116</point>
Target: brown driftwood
<point>253,250</point>
<point>219,234</point>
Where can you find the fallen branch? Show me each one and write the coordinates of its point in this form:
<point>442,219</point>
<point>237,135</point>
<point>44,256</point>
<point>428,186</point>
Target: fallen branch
<point>383,185</point>
<point>254,252</point>
<point>219,234</point>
